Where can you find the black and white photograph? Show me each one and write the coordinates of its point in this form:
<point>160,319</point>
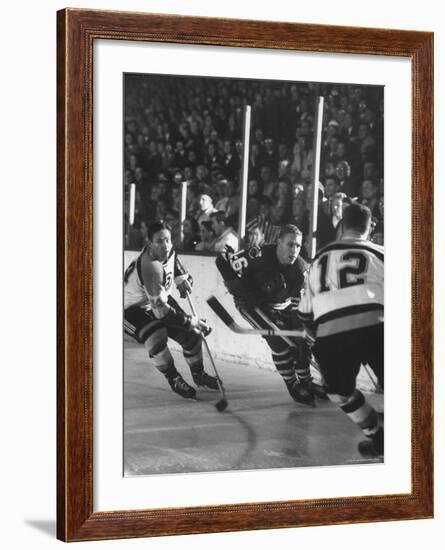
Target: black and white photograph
<point>253,234</point>
<point>188,378</point>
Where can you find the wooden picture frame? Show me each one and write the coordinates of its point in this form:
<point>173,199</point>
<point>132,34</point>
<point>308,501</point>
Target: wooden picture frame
<point>77,31</point>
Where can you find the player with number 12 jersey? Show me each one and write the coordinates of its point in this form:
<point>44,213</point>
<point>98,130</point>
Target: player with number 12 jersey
<point>344,289</point>
<point>342,308</point>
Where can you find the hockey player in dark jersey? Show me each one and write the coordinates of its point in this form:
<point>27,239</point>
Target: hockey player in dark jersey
<point>151,315</point>
<point>266,283</point>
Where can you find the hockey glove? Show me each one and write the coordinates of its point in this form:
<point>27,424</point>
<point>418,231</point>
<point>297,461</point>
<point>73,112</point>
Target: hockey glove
<point>200,326</point>
<point>184,285</point>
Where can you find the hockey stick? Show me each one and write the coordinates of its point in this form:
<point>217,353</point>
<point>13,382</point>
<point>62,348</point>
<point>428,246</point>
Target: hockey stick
<point>292,344</point>
<point>288,341</point>
<point>366,368</point>
<point>228,320</point>
<point>222,403</point>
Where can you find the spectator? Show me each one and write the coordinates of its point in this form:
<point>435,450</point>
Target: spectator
<point>302,156</point>
<point>207,237</point>
<point>206,208</point>
<point>369,170</point>
<point>300,215</point>
<point>278,215</point>
<point>366,140</point>
<point>201,177</point>
<point>223,196</point>
<point>161,209</point>
<point>252,208</point>
<point>185,123</point>
<point>230,203</point>
<point>284,199</point>
<point>180,157</point>
<point>328,224</point>
<point>331,187</point>
<point>254,237</point>
<point>263,221</point>
<point>329,169</point>
<point>369,195</point>
<point>172,219</point>
<point>190,231</point>
<point>269,155</point>
<point>213,159</point>
<point>343,171</point>
<point>175,198</point>
<point>266,181</point>
<point>162,185</point>
<point>224,234</point>
<point>254,160</point>
<point>378,232</point>
<point>297,189</point>
<point>188,174</point>
<point>231,162</point>
<point>253,189</point>
<point>144,232</point>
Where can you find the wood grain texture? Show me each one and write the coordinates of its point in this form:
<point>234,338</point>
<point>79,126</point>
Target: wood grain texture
<point>77,30</point>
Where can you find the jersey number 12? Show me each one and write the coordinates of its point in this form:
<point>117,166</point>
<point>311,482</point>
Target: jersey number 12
<point>359,267</point>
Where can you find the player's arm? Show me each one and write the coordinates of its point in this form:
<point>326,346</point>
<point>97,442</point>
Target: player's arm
<point>183,279</point>
<point>152,278</point>
<point>234,271</point>
<point>305,311</point>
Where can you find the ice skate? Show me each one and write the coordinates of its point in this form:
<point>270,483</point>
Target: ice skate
<point>206,381</point>
<point>372,447</point>
<point>180,386</point>
<point>316,389</point>
<point>299,393</point>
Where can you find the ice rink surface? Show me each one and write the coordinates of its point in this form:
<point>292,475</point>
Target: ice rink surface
<point>262,426</point>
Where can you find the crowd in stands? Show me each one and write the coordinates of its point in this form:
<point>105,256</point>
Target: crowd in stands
<point>190,129</point>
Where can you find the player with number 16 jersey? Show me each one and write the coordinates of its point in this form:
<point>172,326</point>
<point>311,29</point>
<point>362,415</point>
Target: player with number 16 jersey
<point>266,283</point>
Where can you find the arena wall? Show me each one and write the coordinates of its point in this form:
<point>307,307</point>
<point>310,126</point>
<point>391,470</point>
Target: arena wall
<point>225,344</point>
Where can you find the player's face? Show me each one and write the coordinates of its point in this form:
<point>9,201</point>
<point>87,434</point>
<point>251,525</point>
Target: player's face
<point>288,248</point>
<point>161,245</point>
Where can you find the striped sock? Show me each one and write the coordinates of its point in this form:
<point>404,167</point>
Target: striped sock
<point>284,364</point>
<point>362,413</point>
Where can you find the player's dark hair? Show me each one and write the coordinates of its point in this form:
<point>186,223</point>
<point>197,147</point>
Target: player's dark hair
<point>357,217</point>
<point>156,226</point>
<point>289,229</point>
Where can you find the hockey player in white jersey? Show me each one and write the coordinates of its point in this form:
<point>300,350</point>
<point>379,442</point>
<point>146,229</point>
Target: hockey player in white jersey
<point>151,315</point>
<point>342,307</point>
